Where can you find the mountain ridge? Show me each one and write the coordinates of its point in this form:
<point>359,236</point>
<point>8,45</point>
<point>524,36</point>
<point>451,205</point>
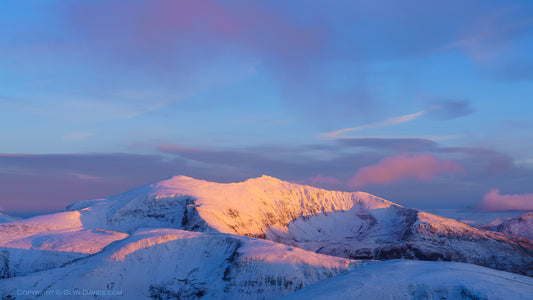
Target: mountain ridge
<point>304,216</point>
<point>261,238</point>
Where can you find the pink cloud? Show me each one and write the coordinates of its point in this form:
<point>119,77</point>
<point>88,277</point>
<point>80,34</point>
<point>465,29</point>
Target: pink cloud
<point>205,27</point>
<point>494,201</point>
<point>391,169</point>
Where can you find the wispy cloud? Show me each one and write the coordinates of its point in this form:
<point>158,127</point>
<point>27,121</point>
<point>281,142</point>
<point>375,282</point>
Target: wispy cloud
<point>443,111</point>
<point>477,37</point>
<point>494,201</point>
<point>486,35</point>
<point>396,120</point>
<point>392,121</point>
<point>447,110</point>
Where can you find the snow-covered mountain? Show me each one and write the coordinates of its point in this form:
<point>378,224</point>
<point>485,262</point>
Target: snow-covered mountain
<point>401,279</point>
<point>49,241</point>
<point>259,239</point>
<point>521,226</point>
<point>177,264</point>
<point>351,225</point>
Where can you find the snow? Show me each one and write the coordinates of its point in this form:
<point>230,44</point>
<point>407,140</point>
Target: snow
<point>77,240</point>
<point>183,264</point>
<point>48,241</point>
<point>351,225</point>
<point>259,239</point>
<point>260,203</point>
<point>401,279</point>
<point>31,226</point>
<point>521,226</point>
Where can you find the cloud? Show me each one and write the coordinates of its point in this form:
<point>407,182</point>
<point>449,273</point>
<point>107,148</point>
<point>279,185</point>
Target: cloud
<point>327,182</point>
<point>481,161</point>
<point>392,121</point>
<point>390,144</point>
<point>452,110</point>
<point>218,157</point>
<point>391,169</point>
<point>42,183</point>
<point>494,201</point>
<point>483,39</point>
<point>395,144</point>
<point>444,111</point>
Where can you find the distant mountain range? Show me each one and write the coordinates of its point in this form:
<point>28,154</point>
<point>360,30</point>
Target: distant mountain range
<point>259,239</point>
<point>521,226</point>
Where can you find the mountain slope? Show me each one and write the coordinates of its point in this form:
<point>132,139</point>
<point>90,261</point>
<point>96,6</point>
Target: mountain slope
<point>170,263</point>
<point>400,279</point>
<point>249,208</point>
<point>47,242</point>
<point>521,226</point>
<point>351,225</point>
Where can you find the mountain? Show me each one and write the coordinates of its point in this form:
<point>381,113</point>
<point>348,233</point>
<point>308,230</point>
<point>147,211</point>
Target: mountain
<point>350,225</point>
<point>49,241</point>
<point>521,226</point>
<point>177,264</point>
<point>401,279</point>
<point>259,239</point>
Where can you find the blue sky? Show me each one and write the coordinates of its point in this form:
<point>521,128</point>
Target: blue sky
<point>430,101</point>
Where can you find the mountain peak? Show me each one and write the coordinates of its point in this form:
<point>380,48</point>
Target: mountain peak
<point>264,179</point>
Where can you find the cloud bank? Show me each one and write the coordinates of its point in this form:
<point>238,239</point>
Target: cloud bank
<point>391,169</point>
<point>494,201</point>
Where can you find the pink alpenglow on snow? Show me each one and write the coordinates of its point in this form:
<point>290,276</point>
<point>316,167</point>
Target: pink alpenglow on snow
<point>494,201</point>
<point>391,169</point>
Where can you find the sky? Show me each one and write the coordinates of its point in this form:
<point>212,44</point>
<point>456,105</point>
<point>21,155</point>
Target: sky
<point>427,104</point>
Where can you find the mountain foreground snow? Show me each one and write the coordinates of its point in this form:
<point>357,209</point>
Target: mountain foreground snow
<point>259,239</point>
<point>401,279</point>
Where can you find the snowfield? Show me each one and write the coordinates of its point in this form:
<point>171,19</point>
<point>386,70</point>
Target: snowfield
<point>259,239</point>
<point>401,279</point>
<point>172,263</point>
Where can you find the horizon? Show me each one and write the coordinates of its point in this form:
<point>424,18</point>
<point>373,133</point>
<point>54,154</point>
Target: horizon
<point>425,105</point>
<point>452,213</point>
